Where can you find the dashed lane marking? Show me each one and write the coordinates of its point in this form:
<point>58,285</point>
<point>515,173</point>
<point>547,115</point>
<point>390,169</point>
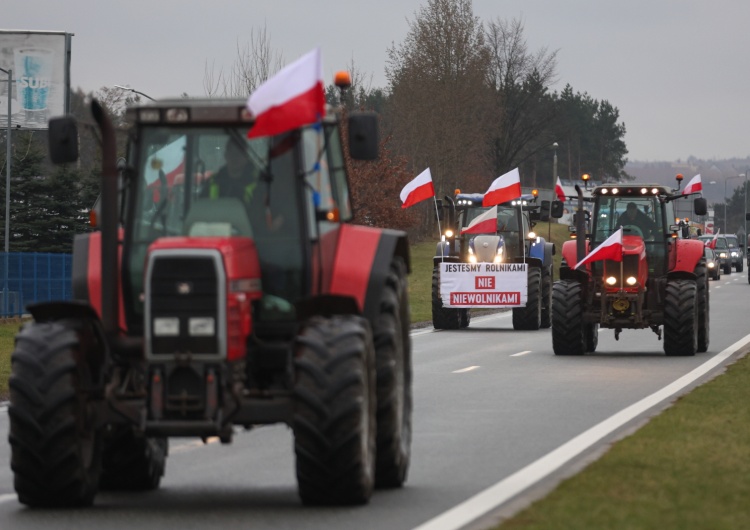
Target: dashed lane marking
<point>467,369</point>
<point>521,353</point>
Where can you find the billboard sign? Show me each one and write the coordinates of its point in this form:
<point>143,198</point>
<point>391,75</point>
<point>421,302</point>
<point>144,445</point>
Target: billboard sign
<point>40,63</point>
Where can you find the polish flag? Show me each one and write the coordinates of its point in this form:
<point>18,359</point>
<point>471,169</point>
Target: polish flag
<point>694,186</point>
<point>712,244</point>
<point>292,98</point>
<point>559,191</point>
<point>483,224</point>
<point>418,189</point>
<point>504,188</point>
<point>611,248</point>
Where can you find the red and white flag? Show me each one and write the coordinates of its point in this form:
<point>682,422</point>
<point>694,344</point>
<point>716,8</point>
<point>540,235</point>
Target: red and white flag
<point>694,186</point>
<point>418,190</point>
<point>712,244</point>
<point>504,188</point>
<point>611,248</point>
<point>483,224</point>
<point>559,191</point>
<point>292,98</point>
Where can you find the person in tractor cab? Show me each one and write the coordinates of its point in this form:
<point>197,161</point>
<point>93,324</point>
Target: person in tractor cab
<point>240,178</point>
<point>636,218</point>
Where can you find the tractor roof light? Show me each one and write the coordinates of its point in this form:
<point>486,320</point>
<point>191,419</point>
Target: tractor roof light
<point>605,191</point>
<point>615,191</point>
<point>654,191</point>
<point>585,177</point>
<point>342,79</point>
<point>531,235</point>
<point>644,191</point>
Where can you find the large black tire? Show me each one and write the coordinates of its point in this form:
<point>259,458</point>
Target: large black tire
<point>394,379</point>
<point>530,317</point>
<point>132,461</point>
<point>55,448</point>
<point>568,329</point>
<point>740,266</point>
<point>591,337</point>
<point>701,282</point>
<point>727,266</point>
<point>442,317</point>
<point>547,280</point>
<point>464,316</point>
<point>334,412</point>
<point>681,318</point>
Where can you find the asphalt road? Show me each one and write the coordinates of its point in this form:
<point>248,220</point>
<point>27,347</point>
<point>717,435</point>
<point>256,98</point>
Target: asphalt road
<point>497,418</point>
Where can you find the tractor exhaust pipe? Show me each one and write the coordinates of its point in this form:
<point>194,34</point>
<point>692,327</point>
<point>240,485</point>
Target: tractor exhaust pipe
<point>580,227</point>
<point>109,243</point>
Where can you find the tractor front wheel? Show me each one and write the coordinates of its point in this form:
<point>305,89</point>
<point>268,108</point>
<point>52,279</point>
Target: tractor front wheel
<point>568,329</point>
<point>546,297</point>
<point>132,461</point>
<point>56,451</point>
<point>530,317</point>
<point>681,318</point>
<point>334,411</point>
<point>703,306</point>
<point>442,317</point>
<point>394,377</point>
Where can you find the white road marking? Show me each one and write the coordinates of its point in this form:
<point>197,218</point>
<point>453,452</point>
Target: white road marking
<point>467,369</point>
<point>521,353</point>
<point>494,496</point>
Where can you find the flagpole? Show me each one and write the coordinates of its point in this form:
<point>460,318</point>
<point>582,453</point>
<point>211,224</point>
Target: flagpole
<point>440,231</point>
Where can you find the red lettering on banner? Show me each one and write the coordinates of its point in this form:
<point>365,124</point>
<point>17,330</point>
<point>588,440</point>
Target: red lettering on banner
<point>484,282</point>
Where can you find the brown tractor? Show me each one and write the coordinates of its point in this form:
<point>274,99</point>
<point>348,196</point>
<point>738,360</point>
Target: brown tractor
<point>196,312</point>
<point>661,282</point>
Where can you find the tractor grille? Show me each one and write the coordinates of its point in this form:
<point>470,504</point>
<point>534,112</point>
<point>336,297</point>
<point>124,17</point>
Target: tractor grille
<point>185,303</point>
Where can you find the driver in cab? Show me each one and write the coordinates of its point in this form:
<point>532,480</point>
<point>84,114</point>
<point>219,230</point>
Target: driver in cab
<point>635,217</point>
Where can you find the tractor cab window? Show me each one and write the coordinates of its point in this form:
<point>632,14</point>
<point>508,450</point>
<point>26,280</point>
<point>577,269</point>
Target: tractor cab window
<point>512,224</point>
<point>214,182</point>
<point>639,216</point>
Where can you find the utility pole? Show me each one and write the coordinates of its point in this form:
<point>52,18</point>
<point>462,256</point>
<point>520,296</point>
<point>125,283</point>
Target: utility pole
<point>7,192</point>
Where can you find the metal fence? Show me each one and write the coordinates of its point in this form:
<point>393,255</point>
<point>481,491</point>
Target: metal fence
<point>29,277</point>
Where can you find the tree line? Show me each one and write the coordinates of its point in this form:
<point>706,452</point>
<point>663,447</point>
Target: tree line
<point>464,97</point>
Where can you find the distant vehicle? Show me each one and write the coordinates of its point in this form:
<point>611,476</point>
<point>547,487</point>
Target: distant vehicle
<point>736,251</point>
<point>721,247</point>
<point>713,263</point>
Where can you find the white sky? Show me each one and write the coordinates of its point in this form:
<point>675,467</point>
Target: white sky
<point>676,69</point>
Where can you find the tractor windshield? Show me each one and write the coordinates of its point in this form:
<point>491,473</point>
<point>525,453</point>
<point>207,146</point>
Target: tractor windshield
<point>509,219</point>
<point>208,182</point>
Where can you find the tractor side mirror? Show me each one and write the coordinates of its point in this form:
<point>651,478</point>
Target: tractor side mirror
<point>363,136</point>
<point>556,210</point>
<point>62,140</point>
<point>544,211</point>
<point>439,207</point>
<point>700,206</point>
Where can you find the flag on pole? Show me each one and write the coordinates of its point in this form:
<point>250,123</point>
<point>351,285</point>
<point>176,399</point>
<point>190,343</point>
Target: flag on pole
<point>559,191</point>
<point>292,98</point>
<point>418,190</point>
<point>611,249</point>
<point>694,186</point>
<point>483,224</point>
<point>504,188</point>
<point>712,244</point>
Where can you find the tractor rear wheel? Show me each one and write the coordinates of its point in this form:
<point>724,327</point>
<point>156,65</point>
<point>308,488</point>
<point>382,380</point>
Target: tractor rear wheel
<point>394,377</point>
<point>334,411</point>
<point>442,317</point>
<point>568,329</point>
<point>546,297</point>
<point>132,461</point>
<point>56,450</point>
<point>681,318</point>
<point>530,317</point>
<point>703,307</point>
<point>464,316</point>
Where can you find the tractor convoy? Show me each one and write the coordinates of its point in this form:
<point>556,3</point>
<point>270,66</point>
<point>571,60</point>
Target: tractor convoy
<point>204,305</point>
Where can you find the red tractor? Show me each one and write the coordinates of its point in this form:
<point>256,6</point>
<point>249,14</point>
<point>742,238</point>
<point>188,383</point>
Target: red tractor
<point>197,312</point>
<point>661,282</point>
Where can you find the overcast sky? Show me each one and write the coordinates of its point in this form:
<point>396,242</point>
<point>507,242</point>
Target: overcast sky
<point>677,70</point>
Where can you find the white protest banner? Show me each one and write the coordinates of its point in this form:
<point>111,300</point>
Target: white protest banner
<point>483,284</point>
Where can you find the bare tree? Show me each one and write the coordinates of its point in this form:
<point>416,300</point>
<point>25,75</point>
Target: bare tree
<point>439,96</point>
<point>255,62</point>
<point>520,81</point>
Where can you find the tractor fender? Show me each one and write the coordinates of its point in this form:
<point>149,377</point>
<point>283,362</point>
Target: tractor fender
<point>688,253</point>
<point>86,278</point>
<point>362,263</point>
<point>570,254</point>
<point>543,251</point>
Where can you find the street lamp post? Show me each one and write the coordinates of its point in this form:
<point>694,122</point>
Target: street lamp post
<point>134,91</point>
<point>725,198</point>
<point>7,192</point>
<point>554,184</point>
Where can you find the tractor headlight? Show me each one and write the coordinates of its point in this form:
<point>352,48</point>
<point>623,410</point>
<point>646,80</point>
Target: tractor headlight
<point>611,280</point>
<point>631,280</point>
<point>472,258</point>
<point>532,235</point>
<point>711,264</point>
<point>498,258</point>
<point>449,233</point>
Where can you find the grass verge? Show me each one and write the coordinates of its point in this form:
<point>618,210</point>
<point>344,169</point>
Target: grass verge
<point>689,467</point>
